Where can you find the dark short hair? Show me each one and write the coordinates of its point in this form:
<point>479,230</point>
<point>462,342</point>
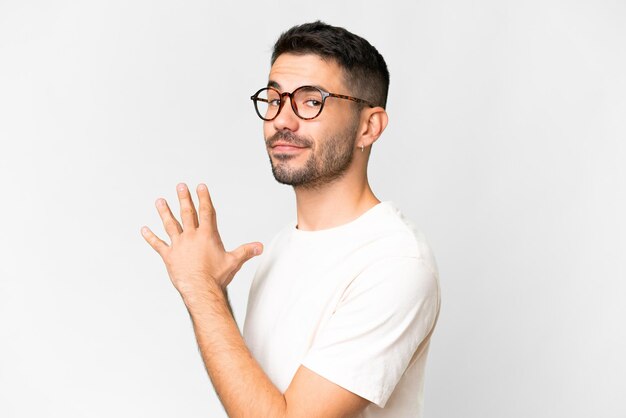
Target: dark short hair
<point>365,70</point>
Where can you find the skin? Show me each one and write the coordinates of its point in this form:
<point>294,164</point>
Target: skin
<point>201,269</point>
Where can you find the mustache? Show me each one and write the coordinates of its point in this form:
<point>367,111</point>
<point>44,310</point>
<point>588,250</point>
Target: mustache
<point>290,138</point>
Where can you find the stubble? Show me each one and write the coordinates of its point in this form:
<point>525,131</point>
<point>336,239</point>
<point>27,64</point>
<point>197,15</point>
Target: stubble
<point>328,160</point>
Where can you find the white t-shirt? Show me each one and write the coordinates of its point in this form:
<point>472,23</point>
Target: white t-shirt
<point>356,304</point>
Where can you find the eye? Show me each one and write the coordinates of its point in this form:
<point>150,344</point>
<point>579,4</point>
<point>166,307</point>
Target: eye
<point>274,102</point>
<point>313,102</point>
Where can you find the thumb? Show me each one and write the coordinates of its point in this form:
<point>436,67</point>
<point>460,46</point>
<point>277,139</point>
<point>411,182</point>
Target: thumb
<point>245,252</point>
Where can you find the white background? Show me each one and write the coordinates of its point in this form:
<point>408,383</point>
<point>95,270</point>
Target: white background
<point>505,146</point>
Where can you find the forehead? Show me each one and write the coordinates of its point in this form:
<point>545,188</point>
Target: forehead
<point>291,71</point>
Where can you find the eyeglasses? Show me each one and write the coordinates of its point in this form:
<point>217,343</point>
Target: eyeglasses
<point>307,102</point>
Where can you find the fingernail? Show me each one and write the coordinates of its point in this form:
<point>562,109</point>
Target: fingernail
<point>181,187</point>
<point>257,251</point>
<point>160,202</point>
<point>201,186</point>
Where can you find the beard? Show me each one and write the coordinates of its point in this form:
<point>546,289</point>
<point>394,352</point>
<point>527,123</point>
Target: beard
<point>328,160</point>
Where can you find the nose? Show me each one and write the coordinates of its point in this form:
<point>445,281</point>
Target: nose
<point>286,118</point>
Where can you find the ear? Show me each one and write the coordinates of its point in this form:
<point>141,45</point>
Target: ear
<point>373,123</point>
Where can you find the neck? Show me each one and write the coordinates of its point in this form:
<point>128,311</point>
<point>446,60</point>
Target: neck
<point>335,203</point>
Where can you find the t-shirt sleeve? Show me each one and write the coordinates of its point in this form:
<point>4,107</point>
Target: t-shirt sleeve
<point>382,318</point>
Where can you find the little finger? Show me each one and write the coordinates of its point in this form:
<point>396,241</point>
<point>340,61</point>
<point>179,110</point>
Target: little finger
<point>155,242</point>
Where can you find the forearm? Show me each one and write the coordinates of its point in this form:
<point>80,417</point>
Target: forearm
<point>242,386</point>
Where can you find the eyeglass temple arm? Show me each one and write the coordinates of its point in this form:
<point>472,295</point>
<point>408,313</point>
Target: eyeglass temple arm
<point>354,99</point>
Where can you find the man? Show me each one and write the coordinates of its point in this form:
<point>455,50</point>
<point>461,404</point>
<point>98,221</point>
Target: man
<point>344,301</point>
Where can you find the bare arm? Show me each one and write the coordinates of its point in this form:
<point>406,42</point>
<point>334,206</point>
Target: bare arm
<point>200,269</point>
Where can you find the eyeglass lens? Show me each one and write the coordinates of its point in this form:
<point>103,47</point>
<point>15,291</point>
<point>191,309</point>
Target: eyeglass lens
<point>305,101</point>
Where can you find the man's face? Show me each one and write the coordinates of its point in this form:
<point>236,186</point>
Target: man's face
<point>310,153</point>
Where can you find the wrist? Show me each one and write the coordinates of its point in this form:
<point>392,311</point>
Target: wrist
<point>207,296</point>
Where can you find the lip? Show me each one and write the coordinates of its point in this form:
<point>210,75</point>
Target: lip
<point>286,147</point>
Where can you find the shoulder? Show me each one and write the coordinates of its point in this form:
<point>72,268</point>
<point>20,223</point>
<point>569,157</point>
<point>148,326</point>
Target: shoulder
<point>394,240</point>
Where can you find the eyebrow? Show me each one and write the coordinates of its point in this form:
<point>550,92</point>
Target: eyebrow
<point>276,85</point>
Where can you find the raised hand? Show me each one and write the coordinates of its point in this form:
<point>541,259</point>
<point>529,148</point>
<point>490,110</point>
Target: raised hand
<point>196,260</point>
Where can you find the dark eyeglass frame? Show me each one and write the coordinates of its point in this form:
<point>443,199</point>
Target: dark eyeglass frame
<point>255,98</point>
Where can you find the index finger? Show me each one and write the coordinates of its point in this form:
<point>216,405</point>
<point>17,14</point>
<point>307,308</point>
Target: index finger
<point>207,216</point>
